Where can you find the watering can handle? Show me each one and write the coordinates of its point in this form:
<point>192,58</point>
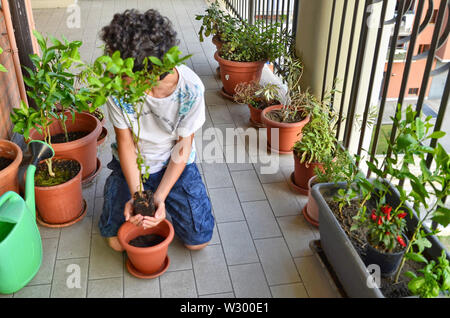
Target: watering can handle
<point>29,190</point>
<point>9,215</point>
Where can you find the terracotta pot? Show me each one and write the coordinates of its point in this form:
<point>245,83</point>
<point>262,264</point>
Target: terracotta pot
<point>60,204</point>
<point>232,73</point>
<point>8,177</point>
<point>288,133</point>
<point>83,150</point>
<point>101,139</point>
<point>102,122</point>
<point>303,172</point>
<point>255,115</point>
<point>311,210</point>
<point>217,42</point>
<point>147,260</point>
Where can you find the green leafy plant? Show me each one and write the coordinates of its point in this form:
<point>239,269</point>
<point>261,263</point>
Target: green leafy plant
<point>112,76</point>
<point>2,68</point>
<point>435,278</point>
<point>51,84</point>
<point>216,23</point>
<point>257,95</point>
<point>255,42</point>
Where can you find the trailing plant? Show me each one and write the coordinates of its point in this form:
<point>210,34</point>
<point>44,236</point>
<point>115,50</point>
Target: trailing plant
<point>2,68</point>
<point>435,278</point>
<point>255,42</point>
<point>257,95</point>
<point>216,23</point>
<point>51,84</point>
<point>113,76</point>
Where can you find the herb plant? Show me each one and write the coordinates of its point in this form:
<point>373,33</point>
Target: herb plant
<point>257,95</point>
<point>216,23</point>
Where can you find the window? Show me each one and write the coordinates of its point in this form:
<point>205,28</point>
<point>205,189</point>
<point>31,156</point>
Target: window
<point>413,91</point>
<point>423,48</point>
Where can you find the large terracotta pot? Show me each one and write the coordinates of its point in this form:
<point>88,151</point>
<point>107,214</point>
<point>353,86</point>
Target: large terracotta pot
<point>61,205</point>
<point>146,262</point>
<point>232,73</point>
<point>8,177</point>
<point>83,150</point>
<point>288,133</point>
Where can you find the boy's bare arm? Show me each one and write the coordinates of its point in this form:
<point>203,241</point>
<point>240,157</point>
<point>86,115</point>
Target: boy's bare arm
<point>127,156</point>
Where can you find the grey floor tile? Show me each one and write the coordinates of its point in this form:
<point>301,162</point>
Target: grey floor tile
<point>277,262</point>
<point>70,278</point>
<point>220,114</point>
<point>281,199</point>
<point>314,278</point>
<point>203,69</point>
<point>272,177</point>
<point>180,257</point>
<point>213,98</point>
<point>249,281</point>
<point>260,219</point>
<point>140,288</point>
<point>104,262</point>
<point>45,274</point>
<point>75,240</point>
<point>106,288</point>
<point>220,295</point>
<point>98,209</point>
<point>289,291</point>
<point>38,291</point>
<point>226,205</point>
<point>297,233</point>
<point>47,232</point>
<point>237,243</point>
<point>210,82</point>
<point>210,270</point>
<point>248,186</point>
<point>179,284</point>
<point>217,175</point>
<point>215,237</point>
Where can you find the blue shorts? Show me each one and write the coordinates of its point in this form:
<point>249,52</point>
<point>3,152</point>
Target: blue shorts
<point>187,204</point>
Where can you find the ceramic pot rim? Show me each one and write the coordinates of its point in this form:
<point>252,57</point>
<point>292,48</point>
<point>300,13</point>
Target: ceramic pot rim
<point>145,250</point>
<point>237,64</point>
<point>17,160</point>
<point>68,182</point>
<point>278,124</point>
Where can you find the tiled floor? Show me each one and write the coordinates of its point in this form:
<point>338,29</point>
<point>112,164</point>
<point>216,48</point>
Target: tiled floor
<point>260,245</point>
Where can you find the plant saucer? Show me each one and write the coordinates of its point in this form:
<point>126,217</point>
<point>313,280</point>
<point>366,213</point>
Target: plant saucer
<point>69,223</point>
<point>89,180</point>
<point>133,271</point>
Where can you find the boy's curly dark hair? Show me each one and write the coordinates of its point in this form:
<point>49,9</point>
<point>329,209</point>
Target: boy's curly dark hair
<point>139,35</point>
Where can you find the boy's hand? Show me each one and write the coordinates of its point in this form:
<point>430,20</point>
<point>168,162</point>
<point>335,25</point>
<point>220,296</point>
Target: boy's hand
<point>160,215</point>
<point>128,212</point>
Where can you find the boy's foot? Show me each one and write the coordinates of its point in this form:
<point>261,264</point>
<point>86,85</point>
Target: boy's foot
<point>114,243</point>
<point>196,247</point>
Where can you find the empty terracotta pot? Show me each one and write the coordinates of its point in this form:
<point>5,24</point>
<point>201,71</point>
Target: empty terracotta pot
<point>60,205</point>
<point>311,210</point>
<point>146,260</point>
<point>232,73</point>
<point>288,133</point>
<point>8,176</point>
<point>83,150</point>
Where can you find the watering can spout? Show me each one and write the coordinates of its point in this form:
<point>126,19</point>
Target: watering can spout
<point>39,151</point>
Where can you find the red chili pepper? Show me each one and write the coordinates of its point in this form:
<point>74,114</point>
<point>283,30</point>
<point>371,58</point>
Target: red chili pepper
<point>380,220</point>
<point>388,233</point>
<point>401,215</point>
<point>401,241</point>
<point>373,216</point>
<point>386,209</point>
<point>389,215</point>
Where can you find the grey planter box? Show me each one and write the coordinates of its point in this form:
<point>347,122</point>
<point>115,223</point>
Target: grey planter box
<point>343,257</point>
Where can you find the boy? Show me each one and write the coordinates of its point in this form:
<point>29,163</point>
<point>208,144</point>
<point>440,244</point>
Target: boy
<point>173,111</point>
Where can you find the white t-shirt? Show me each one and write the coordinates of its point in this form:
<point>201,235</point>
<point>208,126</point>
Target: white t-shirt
<point>164,120</point>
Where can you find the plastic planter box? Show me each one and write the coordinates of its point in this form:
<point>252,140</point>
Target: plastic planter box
<point>346,262</point>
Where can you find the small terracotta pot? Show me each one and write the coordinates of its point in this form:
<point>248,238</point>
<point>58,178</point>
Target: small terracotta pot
<point>303,172</point>
<point>288,133</point>
<point>232,73</point>
<point>146,260</point>
<point>217,42</point>
<point>311,210</point>
<point>83,150</point>
<point>101,139</point>
<point>255,116</point>
<point>8,177</point>
<point>60,204</point>
<point>102,122</point>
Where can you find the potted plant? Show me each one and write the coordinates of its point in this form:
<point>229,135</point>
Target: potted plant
<point>72,133</point>
<point>363,213</point>
<point>112,76</point>
<point>249,47</point>
<point>258,97</point>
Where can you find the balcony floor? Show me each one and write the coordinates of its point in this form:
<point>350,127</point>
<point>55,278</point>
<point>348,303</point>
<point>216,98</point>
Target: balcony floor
<point>260,247</point>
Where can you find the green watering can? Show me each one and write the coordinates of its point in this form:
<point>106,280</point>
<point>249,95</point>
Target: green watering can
<point>20,241</point>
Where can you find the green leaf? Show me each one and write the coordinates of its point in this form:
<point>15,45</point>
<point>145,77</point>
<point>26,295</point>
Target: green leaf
<point>415,284</point>
<point>155,60</point>
<point>405,141</point>
<point>416,257</point>
<point>442,216</point>
<point>437,135</point>
<point>3,69</point>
